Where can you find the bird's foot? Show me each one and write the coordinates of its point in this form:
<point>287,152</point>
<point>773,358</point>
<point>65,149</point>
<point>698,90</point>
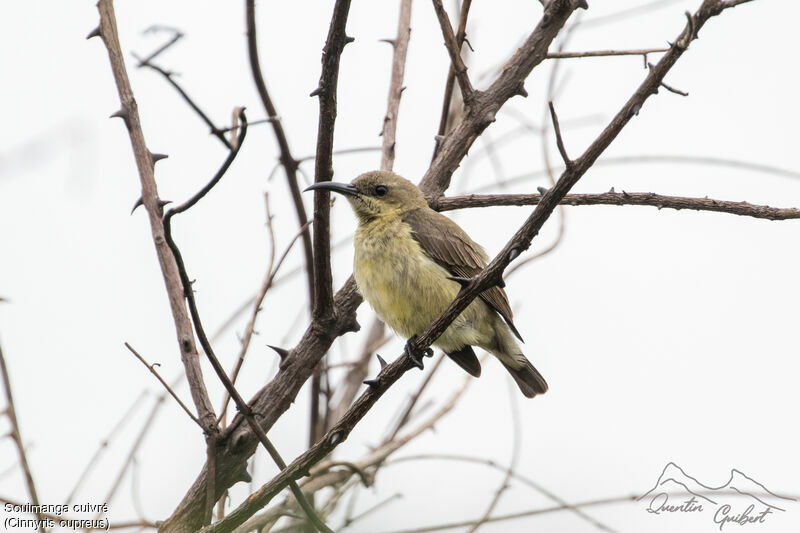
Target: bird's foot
<point>412,352</point>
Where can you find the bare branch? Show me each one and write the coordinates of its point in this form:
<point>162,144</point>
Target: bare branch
<point>16,436</point>
<point>624,198</point>
<point>606,53</point>
<point>396,85</point>
<point>151,201</point>
<point>94,460</point>
<point>262,293</point>
<point>153,371</point>
<point>484,108</point>
<point>323,164</point>
<point>559,141</point>
<point>453,46</point>
<point>335,436</point>
<point>215,131</point>
<point>287,160</point>
<point>451,74</point>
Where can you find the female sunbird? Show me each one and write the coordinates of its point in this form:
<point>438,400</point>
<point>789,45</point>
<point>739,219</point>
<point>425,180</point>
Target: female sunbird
<point>406,255</point>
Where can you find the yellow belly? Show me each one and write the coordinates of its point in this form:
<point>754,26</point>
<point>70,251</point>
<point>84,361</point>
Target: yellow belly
<point>408,290</point>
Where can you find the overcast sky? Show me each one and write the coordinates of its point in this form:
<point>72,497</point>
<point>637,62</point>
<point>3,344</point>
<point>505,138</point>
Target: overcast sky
<point>664,336</point>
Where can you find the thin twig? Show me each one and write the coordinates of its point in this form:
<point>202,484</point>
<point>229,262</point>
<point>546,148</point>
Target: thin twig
<point>286,158</point>
<point>389,130</point>
<point>559,140</point>
<point>624,198</point>
<point>453,46</point>
<point>451,76</point>
<point>129,458</point>
<point>153,371</point>
<point>678,159</point>
<point>262,293</point>
<point>176,36</point>
<point>512,465</point>
<point>16,436</point>
<point>199,195</point>
<point>514,475</point>
<point>333,438</point>
<point>215,131</point>
<point>606,53</point>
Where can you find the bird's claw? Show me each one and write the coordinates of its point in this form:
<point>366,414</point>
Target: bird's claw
<point>411,351</point>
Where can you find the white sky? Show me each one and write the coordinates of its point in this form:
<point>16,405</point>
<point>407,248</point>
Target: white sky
<point>664,336</point>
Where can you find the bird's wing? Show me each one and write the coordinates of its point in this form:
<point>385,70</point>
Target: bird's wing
<point>450,246</point>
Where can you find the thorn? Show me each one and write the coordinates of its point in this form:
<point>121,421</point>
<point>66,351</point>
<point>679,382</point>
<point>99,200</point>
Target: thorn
<point>388,41</point>
<point>521,91</point>
<point>162,203</point>
<point>123,114</point>
<point>155,158</point>
<point>611,190</point>
<point>501,284</point>
<point>463,281</point>
<point>281,351</point>
<point>469,44</point>
<point>542,190</point>
<point>581,3</point>
<point>428,352</point>
<point>372,383</point>
<point>316,92</point>
<point>439,139</point>
<point>381,361</point>
<point>137,204</point>
<point>625,194</point>
<point>348,39</point>
<point>513,254</point>
<point>403,88</point>
<point>94,33</point>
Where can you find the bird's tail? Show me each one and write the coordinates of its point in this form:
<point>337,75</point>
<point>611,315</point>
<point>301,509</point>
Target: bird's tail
<point>528,379</point>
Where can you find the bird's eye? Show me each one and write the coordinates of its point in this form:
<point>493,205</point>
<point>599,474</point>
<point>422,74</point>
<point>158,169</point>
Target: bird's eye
<point>381,190</point>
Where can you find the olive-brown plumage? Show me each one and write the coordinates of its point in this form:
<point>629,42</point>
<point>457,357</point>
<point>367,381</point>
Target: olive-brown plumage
<point>405,253</point>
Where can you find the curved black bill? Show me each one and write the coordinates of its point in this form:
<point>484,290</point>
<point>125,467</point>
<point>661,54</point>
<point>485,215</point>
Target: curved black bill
<point>341,188</point>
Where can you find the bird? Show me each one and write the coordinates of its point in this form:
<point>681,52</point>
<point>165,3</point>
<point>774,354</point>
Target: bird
<point>409,263</point>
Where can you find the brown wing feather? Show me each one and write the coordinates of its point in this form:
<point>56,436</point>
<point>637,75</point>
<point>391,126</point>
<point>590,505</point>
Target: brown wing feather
<point>450,246</point>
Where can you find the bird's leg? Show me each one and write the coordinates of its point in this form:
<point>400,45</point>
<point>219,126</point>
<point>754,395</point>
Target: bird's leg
<point>411,350</point>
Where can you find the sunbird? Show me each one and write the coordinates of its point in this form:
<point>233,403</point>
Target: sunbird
<point>406,256</point>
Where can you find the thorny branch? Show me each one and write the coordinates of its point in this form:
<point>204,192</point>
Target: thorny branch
<point>623,198</point>
<point>400,46</point>
<point>145,165</point>
<point>323,303</point>
<point>11,412</point>
<point>332,438</point>
<point>244,409</point>
<point>451,74</point>
<point>486,103</point>
<point>287,160</point>
<point>453,45</point>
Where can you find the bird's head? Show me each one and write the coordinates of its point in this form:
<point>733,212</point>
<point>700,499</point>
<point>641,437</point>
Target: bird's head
<point>377,194</point>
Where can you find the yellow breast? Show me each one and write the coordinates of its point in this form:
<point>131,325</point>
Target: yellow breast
<point>403,285</point>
